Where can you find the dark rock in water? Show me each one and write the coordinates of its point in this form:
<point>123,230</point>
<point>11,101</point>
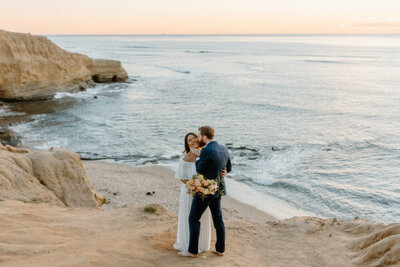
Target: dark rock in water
<point>328,149</point>
<point>248,149</point>
<point>8,137</point>
<point>275,148</point>
<point>95,97</point>
<point>153,161</point>
<point>1,103</point>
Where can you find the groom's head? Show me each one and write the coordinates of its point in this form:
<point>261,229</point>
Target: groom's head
<point>206,134</point>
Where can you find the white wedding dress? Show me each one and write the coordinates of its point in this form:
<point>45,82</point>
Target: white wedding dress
<point>185,171</point>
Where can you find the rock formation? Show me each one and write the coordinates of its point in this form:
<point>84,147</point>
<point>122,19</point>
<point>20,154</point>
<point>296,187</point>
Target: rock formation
<point>371,244</point>
<point>32,67</point>
<point>8,137</point>
<point>55,176</point>
<point>377,245</point>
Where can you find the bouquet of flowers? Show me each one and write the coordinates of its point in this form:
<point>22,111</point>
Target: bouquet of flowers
<point>199,185</point>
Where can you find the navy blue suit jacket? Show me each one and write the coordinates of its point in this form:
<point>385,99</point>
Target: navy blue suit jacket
<point>213,159</point>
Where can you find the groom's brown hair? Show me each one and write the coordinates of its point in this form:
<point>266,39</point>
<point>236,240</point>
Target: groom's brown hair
<point>207,131</point>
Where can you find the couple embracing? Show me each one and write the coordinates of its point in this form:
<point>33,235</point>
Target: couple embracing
<point>203,156</point>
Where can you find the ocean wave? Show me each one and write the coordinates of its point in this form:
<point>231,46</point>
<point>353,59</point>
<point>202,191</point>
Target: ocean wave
<point>5,111</point>
<point>198,52</point>
<point>335,56</point>
<point>272,163</point>
<point>373,144</point>
<point>173,69</point>
<point>362,194</point>
<point>292,186</point>
<point>275,107</point>
<point>136,159</point>
<point>136,46</point>
<point>324,61</point>
<point>98,90</point>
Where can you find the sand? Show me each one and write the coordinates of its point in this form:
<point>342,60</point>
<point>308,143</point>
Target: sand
<point>123,234</point>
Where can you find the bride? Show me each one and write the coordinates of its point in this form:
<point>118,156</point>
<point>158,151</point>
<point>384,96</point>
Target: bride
<point>185,171</point>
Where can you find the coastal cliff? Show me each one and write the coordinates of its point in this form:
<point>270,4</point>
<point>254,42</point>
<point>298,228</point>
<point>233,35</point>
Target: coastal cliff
<point>34,68</point>
<point>56,177</point>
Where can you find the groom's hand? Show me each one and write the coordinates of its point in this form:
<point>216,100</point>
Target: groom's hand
<point>223,172</point>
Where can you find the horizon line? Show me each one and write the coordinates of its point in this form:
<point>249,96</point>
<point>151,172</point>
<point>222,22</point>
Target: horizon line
<point>205,34</point>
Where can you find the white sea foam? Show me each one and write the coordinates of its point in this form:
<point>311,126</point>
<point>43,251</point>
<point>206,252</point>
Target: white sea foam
<point>5,111</point>
<point>281,163</point>
<point>247,195</point>
<point>91,92</point>
<point>268,204</point>
<point>84,94</point>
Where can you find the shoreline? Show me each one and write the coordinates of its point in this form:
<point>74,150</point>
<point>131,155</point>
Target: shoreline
<point>239,193</point>
<point>247,195</point>
<point>127,194</point>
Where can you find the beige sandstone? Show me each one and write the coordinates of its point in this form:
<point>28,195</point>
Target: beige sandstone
<point>56,177</point>
<point>32,67</point>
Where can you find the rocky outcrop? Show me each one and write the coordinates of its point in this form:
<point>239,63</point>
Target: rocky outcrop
<point>55,176</point>
<point>377,245</point>
<point>32,67</point>
<point>370,244</point>
<point>8,137</point>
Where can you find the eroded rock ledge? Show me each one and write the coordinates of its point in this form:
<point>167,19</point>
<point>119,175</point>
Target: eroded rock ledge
<point>56,177</point>
<point>34,68</point>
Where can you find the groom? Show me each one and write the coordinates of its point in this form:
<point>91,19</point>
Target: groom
<point>213,159</point>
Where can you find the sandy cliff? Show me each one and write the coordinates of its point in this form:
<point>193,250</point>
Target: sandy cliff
<point>56,177</point>
<point>32,67</point>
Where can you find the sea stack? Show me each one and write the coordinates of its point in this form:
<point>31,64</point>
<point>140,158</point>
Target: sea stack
<point>34,68</point>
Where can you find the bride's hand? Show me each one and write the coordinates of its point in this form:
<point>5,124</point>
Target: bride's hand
<point>195,151</point>
<point>223,172</point>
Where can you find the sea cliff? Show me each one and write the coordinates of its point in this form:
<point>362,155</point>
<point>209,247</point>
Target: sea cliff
<point>34,68</point>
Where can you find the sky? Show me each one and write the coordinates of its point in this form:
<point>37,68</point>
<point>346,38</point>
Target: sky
<point>200,16</point>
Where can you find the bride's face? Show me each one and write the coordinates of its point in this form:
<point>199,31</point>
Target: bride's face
<point>192,141</point>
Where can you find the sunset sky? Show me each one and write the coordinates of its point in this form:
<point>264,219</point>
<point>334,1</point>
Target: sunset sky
<point>200,16</point>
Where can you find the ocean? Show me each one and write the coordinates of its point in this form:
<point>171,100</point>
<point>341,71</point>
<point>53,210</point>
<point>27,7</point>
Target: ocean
<point>310,120</point>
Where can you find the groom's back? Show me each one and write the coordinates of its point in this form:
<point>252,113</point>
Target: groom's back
<point>213,159</point>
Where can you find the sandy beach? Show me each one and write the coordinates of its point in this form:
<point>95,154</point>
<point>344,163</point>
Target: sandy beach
<point>121,233</point>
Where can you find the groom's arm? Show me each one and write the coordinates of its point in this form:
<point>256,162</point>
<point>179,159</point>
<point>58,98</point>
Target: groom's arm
<point>201,163</point>
<point>229,165</point>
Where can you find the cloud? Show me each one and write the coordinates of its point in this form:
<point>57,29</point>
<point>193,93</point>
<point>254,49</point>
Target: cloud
<point>376,24</point>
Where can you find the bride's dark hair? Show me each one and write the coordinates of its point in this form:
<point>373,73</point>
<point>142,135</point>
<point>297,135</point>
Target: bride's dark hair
<point>187,148</point>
